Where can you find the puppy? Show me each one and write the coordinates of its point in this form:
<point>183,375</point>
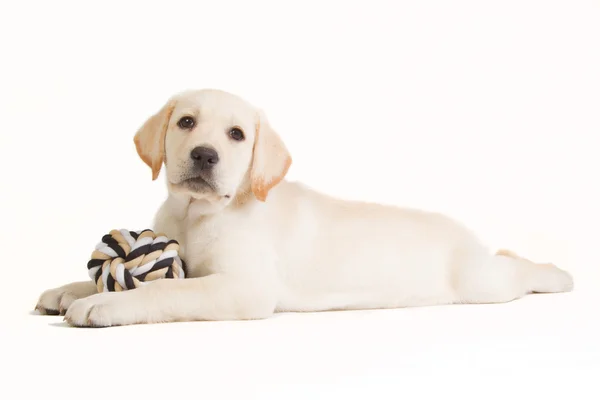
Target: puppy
<point>257,244</point>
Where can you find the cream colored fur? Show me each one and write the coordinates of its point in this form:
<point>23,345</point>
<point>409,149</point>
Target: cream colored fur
<point>257,244</point>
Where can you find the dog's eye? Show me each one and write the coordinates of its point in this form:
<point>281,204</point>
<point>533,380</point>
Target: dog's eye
<point>186,123</point>
<point>236,134</point>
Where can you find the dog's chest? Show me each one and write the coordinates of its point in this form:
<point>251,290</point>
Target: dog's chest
<point>198,254</point>
<point>220,242</point>
<point>201,238</point>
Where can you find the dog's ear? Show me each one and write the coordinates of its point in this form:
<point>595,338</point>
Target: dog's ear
<point>150,138</point>
<point>271,159</point>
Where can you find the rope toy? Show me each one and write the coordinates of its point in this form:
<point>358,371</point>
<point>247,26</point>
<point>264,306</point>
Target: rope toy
<point>126,260</point>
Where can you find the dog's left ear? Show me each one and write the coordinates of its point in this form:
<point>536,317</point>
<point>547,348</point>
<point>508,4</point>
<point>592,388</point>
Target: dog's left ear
<point>150,138</point>
<point>271,160</point>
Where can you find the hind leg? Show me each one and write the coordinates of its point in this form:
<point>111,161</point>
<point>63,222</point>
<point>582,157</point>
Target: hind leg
<point>506,276</point>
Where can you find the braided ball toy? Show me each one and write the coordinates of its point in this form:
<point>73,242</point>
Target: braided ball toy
<point>126,260</point>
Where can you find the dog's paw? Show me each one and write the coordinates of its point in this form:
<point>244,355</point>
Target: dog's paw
<point>56,301</point>
<point>556,280</point>
<point>102,310</point>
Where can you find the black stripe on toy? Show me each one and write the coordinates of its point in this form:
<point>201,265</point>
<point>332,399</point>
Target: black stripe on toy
<point>108,239</point>
<point>157,246</point>
<point>134,235</point>
<point>158,265</point>
<point>110,283</point>
<point>129,280</point>
<point>138,252</point>
<point>117,249</point>
<point>170,273</point>
<point>184,267</point>
<point>94,262</point>
<point>165,262</point>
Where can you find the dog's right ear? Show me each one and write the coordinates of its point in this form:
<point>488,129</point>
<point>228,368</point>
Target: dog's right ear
<point>150,138</point>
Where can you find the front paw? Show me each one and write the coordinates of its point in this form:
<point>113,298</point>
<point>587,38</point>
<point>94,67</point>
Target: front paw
<point>101,310</point>
<point>57,300</point>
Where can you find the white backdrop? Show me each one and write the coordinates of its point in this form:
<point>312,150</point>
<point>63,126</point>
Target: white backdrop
<point>487,111</point>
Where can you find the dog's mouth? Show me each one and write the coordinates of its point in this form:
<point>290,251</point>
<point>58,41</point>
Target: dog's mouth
<point>199,184</point>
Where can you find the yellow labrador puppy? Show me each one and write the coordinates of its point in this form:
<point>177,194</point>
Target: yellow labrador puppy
<point>257,244</point>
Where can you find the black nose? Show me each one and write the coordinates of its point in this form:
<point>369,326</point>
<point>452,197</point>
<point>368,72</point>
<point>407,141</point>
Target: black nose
<point>205,157</point>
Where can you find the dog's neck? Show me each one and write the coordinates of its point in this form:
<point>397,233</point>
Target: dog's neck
<point>184,206</point>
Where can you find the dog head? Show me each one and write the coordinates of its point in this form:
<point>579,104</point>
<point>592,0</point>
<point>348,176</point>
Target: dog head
<point>214,146</point>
